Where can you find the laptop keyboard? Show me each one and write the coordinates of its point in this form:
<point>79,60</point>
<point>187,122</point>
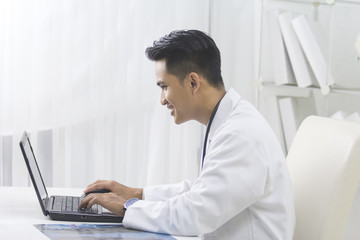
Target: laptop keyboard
<point>71,204</point>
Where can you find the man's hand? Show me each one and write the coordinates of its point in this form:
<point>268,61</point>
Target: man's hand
<point>110,201</point>
<point>114,200</point>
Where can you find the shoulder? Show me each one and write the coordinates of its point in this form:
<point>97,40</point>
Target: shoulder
<point>245,125</point>
<point>243,118</point>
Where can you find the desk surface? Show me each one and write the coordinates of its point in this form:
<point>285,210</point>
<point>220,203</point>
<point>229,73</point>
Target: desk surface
<point>20,209</point>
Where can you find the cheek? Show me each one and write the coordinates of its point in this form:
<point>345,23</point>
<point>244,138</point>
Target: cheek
<point>162,95</point>
<point>168,95</point>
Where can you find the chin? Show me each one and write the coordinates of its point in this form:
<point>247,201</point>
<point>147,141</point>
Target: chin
<point>180,121</point>
<point>180,118</point>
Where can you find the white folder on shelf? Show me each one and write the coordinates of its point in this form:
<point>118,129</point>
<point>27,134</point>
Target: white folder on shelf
<point>353,117</point>
<point>283,72</point>
<point>312,52</point>
<point>302,71</point>
<point>288,119</point>
<point>342,115</point>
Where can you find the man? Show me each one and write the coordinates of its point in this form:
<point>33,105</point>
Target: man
<point>243,190</point>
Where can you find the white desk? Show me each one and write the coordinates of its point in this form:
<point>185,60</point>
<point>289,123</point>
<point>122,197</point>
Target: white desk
<point>20,209</point>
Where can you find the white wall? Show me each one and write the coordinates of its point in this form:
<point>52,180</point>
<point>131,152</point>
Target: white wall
<point>234,26</point>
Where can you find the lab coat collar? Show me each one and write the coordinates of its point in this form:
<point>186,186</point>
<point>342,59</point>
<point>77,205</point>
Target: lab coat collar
<point>227,104</point>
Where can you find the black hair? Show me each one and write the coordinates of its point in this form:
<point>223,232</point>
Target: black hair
<point>187,51</point>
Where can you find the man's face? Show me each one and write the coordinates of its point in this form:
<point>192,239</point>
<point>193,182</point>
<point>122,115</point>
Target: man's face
<point>174,95</point>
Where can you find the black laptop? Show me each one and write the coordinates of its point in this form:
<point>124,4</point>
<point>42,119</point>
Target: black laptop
<point>64,208</point>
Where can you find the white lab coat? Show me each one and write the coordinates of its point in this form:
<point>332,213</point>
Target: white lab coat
<point>242,192</point>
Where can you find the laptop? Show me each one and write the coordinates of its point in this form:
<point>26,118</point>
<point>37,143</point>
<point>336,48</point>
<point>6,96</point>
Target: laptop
<point>63,208</point>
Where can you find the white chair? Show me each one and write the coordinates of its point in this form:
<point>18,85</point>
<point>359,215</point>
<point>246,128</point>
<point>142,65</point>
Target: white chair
<point>324,165</point>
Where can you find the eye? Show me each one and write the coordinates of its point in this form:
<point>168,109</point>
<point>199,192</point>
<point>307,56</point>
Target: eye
<point>162,85</point>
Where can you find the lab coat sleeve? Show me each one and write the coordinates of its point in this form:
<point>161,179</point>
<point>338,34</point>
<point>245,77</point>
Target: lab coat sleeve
<point>166,191</point>
<point>234,176</point>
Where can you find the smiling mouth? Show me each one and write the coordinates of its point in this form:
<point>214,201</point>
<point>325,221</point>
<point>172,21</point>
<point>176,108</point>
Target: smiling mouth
<point>171,108</point>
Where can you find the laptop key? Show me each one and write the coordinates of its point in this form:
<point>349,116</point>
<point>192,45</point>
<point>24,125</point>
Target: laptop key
<point>63,204</point>
<point>94,208</point>
<point>68,202</point>
<point>57,204</point>
<point>75,204</point>
<point>68,207</point>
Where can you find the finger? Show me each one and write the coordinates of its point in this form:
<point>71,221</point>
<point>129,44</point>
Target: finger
<point>84,203</point>
<point>92,202</point>
<point>99,184</point>
<point>95,183</point>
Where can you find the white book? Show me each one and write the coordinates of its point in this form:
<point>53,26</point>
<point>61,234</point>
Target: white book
<point>288,119</point>
<point>298,61</point>
<point>283,72</point>
<point>312,52</point>
<point>340,115</point>
<point>354,117</point>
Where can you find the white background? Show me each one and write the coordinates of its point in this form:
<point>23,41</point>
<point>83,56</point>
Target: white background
<point>74,75</point>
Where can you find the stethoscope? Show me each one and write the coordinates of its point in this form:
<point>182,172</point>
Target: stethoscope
<point>208,130</point>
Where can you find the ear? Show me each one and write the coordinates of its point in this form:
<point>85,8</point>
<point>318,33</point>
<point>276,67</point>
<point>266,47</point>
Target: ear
<point>194,81</point>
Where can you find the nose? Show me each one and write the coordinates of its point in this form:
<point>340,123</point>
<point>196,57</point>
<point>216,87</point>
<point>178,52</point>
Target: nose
<point>163,100</point>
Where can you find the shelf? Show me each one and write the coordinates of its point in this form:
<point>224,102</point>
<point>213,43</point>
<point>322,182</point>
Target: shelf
<point>322,2</point>
<point>346,91</point>
<point>306,40</point>
<point>294,91</point>
<point>285,90</point>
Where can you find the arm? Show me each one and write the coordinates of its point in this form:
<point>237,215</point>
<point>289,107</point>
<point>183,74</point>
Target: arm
<point>165,192</point>
<point>233,178</point>
<point>119,194</point>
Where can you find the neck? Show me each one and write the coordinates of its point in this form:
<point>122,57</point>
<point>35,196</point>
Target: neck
<point>209,100</point>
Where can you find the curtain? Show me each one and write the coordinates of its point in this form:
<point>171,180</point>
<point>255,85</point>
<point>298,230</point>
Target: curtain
<point>74,75</point>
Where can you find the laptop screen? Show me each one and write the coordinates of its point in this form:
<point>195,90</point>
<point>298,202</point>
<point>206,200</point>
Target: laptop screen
<point>32,164</point>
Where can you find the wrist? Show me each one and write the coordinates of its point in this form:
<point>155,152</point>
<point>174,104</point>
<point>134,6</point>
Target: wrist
<point>129,202</point>
<point>138,193</point>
